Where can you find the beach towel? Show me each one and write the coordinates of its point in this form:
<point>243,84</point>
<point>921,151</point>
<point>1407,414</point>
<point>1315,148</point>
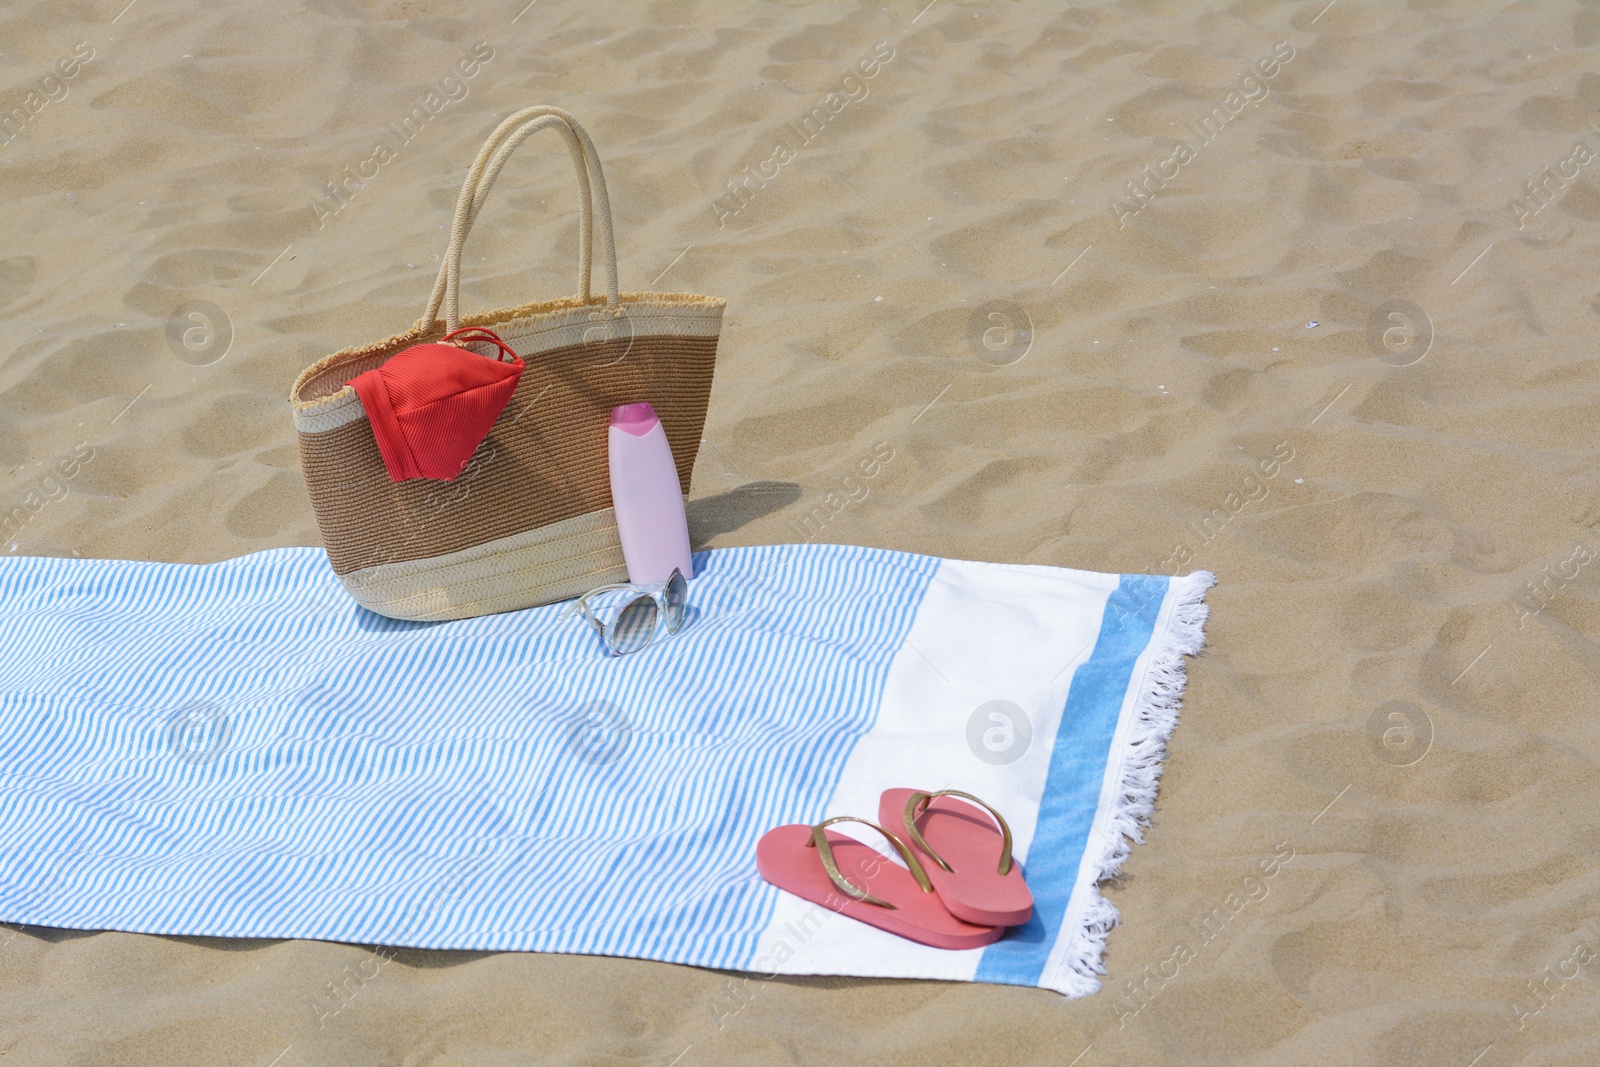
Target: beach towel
<point>239,750</point>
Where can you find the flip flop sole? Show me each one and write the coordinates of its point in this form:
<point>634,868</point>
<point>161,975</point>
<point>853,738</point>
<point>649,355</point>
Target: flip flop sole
<point>966,837</point>
<point>784,859</point>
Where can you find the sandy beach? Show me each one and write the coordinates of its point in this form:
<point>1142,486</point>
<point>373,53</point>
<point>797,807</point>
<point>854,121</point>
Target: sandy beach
<point>1299,293</point>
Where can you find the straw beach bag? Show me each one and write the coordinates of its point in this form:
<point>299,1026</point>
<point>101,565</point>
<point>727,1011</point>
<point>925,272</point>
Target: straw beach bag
<point>529,519</point>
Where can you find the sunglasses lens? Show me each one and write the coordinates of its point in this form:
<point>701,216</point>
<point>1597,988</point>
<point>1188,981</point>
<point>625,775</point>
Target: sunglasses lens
<point>634,626</point>
<point>677,598</point>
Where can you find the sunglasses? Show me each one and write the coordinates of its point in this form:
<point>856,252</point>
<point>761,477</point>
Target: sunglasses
<point>635,624</point>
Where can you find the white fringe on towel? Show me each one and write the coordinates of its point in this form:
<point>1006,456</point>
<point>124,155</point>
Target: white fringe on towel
<point>1155,714</point>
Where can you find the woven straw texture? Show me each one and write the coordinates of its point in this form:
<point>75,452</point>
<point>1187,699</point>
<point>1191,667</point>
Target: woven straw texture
<point>544,461</point>
<point>564,559</point>
<point>529,519</point>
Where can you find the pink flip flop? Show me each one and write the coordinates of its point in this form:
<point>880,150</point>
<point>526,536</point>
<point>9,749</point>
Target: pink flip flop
<point>808,862</point>
<point>971,864</point>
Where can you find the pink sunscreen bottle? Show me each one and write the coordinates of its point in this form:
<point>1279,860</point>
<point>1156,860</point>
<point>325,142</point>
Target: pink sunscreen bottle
<point>647,496</point>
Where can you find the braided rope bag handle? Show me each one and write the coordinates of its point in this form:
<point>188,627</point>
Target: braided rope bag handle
<point>593,206</point>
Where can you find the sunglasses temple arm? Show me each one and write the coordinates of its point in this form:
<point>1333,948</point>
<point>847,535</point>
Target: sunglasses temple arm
<point>582,607</point>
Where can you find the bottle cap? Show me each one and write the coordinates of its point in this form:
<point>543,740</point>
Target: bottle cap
<point>636,419</point>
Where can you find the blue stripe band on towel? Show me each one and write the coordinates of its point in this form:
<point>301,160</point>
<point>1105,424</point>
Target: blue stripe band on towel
<point>1077,773</point>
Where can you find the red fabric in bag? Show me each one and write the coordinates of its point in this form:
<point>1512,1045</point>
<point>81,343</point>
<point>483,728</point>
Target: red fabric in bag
<point>432,405</point>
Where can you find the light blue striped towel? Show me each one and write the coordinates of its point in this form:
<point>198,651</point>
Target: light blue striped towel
<point>238,750</point>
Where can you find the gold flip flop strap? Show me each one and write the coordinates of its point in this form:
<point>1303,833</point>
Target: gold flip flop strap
<point>819,841</point>
<point>917,803</point>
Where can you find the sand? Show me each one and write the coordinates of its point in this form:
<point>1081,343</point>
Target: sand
<point>1197,366</point>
